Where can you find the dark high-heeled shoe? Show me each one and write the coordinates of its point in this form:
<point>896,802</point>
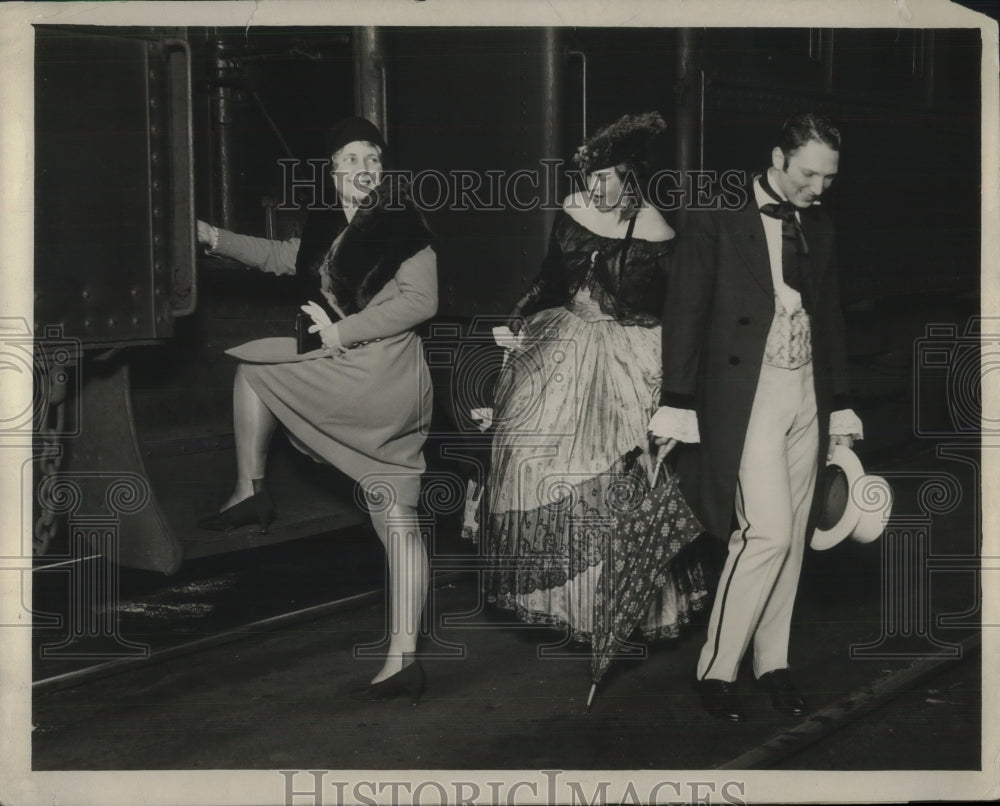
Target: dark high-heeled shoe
<point>410,680</point>
<point>258,507</point>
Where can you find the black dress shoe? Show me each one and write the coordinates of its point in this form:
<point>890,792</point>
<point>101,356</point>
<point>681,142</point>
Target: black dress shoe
<point>258,507</point>
<point>410,680</point>
<point>784,695</point>
<point>720,699</point>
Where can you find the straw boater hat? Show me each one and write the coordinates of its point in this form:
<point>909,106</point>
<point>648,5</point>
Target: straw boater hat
<point>855,504</point>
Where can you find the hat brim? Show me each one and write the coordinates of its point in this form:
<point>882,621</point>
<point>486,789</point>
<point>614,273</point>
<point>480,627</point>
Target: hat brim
<point>872,521</point>
<point>822,539</point>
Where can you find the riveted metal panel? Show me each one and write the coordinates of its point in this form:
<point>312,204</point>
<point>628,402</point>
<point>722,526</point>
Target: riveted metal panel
<point>103,157</point>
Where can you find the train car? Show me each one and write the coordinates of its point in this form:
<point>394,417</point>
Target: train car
<point>142,131</point>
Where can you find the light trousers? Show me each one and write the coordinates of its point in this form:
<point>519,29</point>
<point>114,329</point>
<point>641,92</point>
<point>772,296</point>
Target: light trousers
<point>760,577</point>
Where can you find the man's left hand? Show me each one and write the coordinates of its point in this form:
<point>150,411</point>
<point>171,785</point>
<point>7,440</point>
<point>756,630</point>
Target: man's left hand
<point>836,440</point>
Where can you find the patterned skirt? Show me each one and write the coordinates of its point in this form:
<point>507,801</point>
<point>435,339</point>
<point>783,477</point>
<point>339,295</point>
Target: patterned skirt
<point>571,407</point>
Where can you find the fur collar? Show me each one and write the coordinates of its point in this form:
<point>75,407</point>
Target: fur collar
<point>320,230</point>
<point>385,232</point>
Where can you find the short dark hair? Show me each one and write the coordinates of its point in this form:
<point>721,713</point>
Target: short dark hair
<point>804,127</point>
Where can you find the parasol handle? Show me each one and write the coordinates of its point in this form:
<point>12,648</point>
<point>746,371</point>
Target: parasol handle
<point>590,698</point>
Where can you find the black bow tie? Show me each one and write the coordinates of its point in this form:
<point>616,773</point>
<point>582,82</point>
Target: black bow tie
<point>794,248</point>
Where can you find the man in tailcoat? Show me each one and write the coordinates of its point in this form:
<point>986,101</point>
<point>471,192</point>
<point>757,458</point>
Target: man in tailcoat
<point>754,370</point>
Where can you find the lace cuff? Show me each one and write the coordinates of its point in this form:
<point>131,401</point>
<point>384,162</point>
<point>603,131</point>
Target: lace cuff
<point>679,424</point>
<point>845,423</point>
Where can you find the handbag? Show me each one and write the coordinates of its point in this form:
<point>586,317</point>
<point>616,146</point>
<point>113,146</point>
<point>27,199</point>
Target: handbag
<point>305,341</point>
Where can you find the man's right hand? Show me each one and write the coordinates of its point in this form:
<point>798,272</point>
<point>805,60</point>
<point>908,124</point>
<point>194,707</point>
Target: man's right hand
<point>663,447</point>
<point>668,423</point>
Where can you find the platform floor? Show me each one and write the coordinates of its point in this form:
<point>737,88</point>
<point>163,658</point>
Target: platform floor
<point>280,699</point>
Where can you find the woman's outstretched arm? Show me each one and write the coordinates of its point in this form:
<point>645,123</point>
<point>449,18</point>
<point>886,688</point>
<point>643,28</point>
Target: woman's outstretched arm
<point>274,257</point>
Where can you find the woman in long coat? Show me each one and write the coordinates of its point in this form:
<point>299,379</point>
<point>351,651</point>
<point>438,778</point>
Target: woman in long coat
<point>362,400</point>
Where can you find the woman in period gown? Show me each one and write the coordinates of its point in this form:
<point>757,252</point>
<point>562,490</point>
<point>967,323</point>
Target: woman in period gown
<point>574,398</point>
<point>362,400</point>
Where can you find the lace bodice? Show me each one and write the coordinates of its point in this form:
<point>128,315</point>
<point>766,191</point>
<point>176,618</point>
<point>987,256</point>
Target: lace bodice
<point>633,293</point>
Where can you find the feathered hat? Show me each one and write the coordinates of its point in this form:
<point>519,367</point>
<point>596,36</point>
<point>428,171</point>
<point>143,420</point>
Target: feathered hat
<point>627,140</point>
